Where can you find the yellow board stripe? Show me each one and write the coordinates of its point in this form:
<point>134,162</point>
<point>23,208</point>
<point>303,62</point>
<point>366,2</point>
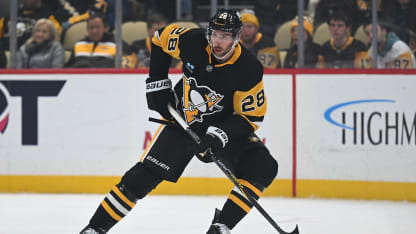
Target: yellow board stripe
<point>251,187</point>
<point>110,211</point>
<point>240,203</point>
<point>350,189</point>
<point>122,197</point>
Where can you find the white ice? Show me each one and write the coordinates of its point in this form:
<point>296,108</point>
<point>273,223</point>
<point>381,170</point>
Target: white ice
<point>67,214</point>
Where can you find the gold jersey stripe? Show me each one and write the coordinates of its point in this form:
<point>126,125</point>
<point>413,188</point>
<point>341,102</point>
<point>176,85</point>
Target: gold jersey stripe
<point>56,23</point>
<point>349,41</point>
<point>1,26</point>
<point>123,198</point>
<point>251,187</point>
<point>151,142</point>
<point>102,48</point>
<point>240,203</point>
<point>168,40</point>
<point>110,211</point>
<point>255,126</point>
<point>77,18</point>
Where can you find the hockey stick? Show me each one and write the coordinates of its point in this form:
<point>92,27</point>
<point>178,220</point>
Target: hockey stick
<point>228,172</point>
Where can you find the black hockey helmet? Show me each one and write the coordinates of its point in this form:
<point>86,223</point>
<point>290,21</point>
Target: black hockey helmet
<point>227,21</point>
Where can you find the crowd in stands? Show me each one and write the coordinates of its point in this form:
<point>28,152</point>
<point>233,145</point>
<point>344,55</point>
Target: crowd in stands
<point>42,25</point>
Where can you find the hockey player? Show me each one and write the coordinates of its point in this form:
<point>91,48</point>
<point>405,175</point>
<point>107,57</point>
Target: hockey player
<point>221,96</point>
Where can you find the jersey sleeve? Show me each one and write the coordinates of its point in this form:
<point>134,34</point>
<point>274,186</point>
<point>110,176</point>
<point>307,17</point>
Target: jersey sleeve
<point>251,105</point>
<point>169,38</point>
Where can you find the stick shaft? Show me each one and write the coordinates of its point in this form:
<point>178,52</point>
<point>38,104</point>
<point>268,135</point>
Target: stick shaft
<point>228,173</point>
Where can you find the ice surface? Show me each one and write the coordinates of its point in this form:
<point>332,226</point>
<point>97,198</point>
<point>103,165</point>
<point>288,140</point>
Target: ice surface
<point>67,214</point>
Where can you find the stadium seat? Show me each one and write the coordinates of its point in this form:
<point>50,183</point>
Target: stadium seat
<point>74,33</point>
<point>282,57</point>
<point>132,31</point>
<point>187,24</point>
<point>282,36</point>
<point>322,34</point>
<point>67,55</point>
<point>361,35</point>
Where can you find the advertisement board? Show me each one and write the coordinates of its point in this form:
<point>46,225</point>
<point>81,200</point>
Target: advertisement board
<point>97,125</point>
<point>348,135</point>
<point>356,127</point>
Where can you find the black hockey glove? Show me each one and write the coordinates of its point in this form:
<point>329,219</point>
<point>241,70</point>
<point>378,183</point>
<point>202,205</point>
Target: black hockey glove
<point>213,142</point>
<point>158,94</point>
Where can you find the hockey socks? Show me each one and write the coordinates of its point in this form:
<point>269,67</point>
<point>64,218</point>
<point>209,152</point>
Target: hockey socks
<point>237,205</point>
<point>115,206</point>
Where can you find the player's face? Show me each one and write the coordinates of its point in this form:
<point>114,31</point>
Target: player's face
<point>41,33</point>
<point>221,42</point>
<point>96,29</point>
<point>338,29</point>
<point>294,33</point>
<point>249,32</point>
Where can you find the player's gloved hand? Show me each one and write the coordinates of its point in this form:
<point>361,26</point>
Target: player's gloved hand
<point>158,94</point>
<point>214,141</point>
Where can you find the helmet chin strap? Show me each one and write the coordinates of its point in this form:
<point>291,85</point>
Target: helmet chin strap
<point>221,58</point>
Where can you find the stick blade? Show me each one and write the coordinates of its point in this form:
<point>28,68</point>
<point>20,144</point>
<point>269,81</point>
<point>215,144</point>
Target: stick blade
<point>296,230</point>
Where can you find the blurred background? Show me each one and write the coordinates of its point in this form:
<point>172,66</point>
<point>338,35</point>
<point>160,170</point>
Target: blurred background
<point>335,34</point>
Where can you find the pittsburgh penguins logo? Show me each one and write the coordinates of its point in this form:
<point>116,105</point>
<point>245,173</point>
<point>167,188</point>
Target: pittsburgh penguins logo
<point>199,100</point>
<point>4,108</point>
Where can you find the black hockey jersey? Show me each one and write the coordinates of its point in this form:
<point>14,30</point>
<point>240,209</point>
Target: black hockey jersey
<point>227,95</point>
<point>350,56</point>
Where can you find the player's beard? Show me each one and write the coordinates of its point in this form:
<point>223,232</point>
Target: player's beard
<point>220,52</point>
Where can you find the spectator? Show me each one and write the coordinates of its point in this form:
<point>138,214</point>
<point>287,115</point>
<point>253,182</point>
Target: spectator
<point>325,8</point>
<point>258,44</point>
<point>391,51</point>
<point>69,12</point>
<point>312,50</point>
<point>143,47</point>
<point>41,50</point>
<point>394,12</point>
<point>342,50</point>
<point>97,49</point>
<point>28,13</point>
<point>273,13</point>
